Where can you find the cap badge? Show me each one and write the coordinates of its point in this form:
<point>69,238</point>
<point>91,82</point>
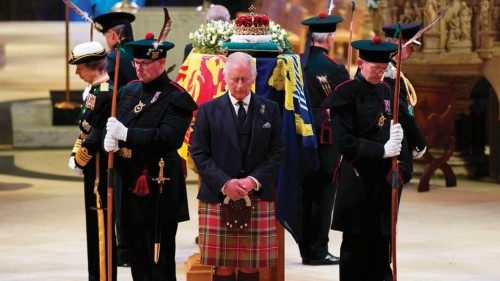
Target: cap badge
<point>154,53</point>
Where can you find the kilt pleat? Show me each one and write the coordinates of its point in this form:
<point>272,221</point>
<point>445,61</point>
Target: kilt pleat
<point>256,246</point>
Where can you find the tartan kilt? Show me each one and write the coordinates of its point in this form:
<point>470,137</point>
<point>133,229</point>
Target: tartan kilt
<point>256,247</point>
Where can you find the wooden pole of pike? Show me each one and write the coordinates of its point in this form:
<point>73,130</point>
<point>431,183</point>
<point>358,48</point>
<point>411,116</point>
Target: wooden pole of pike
<point>109,197</point>
<point>395,172</point>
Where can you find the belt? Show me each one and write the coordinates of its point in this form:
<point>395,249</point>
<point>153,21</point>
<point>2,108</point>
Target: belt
<point>125,152</point>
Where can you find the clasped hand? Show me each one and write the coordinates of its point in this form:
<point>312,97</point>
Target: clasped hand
<point>239,188</point>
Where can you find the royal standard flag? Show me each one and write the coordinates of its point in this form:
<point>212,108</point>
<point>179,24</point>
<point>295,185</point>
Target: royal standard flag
<point>280,79</point>
<point>201,76</point>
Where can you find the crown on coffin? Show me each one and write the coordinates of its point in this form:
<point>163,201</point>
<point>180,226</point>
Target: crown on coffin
<point>252,24</point>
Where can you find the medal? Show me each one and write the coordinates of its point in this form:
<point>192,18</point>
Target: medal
<point>155,96</point>
<point>387,105</point>
<point>90,101</point>
<point>381,120</point>
<point>138,107</point>
<point>86,126</point>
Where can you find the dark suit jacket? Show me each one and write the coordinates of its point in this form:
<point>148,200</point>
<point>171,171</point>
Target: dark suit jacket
<point>215,146</point>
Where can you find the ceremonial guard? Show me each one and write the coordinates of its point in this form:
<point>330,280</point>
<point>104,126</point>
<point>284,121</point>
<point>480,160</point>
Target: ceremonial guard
<point>153,115</point>
<point>117,29</point>
<point>363,108</point>
<point>408,97</point>
<point>322,75</point>
<point>88,157</point>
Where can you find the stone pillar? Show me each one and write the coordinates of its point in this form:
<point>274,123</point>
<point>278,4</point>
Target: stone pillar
<point>485,49</point>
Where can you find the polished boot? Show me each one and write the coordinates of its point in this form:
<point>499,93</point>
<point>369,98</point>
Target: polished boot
<point>216,277</point>
<point>248,276</point>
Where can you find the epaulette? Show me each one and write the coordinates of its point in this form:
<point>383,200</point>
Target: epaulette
<point>177,86</point>
<point>133,81</point>
<point>183,99</point>
<point>331,58</point>
<point>346,81</point>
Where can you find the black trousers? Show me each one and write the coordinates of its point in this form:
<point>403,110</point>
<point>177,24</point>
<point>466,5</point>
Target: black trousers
<point>139,236</point>
<point>91,224</point>
<point>316,214</point>
<point>364,257</point>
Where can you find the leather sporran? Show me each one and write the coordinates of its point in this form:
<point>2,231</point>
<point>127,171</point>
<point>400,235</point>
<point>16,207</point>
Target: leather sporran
<point>236,215</point>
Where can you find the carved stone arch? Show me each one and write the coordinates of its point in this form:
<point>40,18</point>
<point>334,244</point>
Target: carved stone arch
<point>490,72</point>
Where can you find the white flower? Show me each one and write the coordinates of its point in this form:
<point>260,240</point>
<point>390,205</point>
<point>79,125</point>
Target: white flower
<point>209,37</point>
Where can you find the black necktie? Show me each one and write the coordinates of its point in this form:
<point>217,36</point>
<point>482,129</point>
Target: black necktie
<point>242,114</point>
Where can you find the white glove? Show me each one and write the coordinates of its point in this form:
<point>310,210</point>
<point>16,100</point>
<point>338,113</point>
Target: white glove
<point>396,132</point>
<point>392,148</point>
<point>72,165</point>
<point>417,154</point>
<point>116,129</point>
<point>110,143</point>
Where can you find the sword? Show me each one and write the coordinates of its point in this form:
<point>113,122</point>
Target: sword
<point>159,211</point>
<point>101,230</point>
<point>425,28</point>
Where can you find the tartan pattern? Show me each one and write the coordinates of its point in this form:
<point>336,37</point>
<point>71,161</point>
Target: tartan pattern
<point>255,247</point>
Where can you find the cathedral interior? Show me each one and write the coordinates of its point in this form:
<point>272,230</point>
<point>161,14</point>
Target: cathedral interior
<point>448,228</point>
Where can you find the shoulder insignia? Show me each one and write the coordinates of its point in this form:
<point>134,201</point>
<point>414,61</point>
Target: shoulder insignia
<point>179,87</point>
<point>104,87</point>
<point>343,83</point>
<point>331,58</point>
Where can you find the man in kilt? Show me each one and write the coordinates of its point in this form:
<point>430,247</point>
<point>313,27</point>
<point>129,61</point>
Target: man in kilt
<point>237,148</point>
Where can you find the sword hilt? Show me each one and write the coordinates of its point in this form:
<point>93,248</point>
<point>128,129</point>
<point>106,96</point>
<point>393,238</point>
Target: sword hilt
<point>161,179</point>
<point>156,256</point>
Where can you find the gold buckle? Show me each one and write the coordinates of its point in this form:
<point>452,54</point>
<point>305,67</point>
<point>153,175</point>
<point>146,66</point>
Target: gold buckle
<point>125,152</point>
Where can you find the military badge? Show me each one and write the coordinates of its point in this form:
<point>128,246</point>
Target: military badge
<point>90,102</point>
<point>155,97</point>
<point>154,53</point>
<point>86,125</point>
<point>381,120</point>
<point>98,26</point>
<point>262,108</point>
<point>138,107</point>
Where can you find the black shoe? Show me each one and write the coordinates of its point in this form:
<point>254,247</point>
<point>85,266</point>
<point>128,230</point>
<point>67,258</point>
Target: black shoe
<point>328,260</point>
<point>305,261</point>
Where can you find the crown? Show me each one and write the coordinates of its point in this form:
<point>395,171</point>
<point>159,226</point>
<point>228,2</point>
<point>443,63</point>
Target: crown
<point>252,24</point>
